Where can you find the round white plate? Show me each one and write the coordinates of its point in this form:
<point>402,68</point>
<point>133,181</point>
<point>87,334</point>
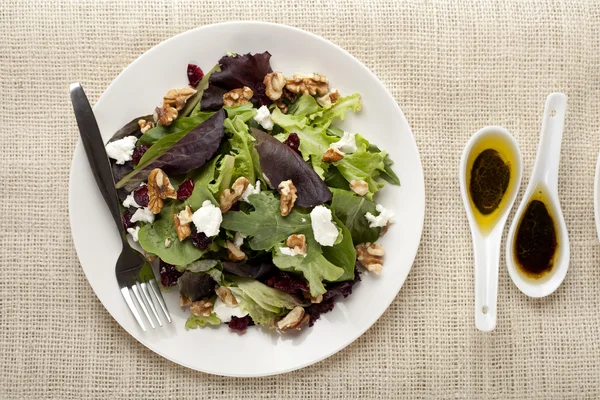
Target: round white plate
<point>140,87</point>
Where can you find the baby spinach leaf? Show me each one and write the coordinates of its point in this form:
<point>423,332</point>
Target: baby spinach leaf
<point>351,210</point>
<point>279,163</point>
<point>388,173</point>
<point>196,321</point>
<point>179,153</point>
<point>265,224</point>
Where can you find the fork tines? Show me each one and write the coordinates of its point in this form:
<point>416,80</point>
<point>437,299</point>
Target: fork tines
<point>144,298</point>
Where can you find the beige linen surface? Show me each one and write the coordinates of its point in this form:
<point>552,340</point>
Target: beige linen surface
<point>453,66</point>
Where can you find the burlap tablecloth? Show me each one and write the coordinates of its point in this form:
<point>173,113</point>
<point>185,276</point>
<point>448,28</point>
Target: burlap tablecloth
<point>453,66</point>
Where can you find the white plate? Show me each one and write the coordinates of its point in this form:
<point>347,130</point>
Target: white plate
<point>140,87</point>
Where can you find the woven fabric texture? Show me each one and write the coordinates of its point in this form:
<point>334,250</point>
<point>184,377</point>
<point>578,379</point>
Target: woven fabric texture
<point>453,66</point>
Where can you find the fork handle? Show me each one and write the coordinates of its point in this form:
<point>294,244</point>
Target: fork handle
<point>96,153</point>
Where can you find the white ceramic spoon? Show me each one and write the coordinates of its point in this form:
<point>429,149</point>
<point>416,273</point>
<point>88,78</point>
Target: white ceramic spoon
<point>544,178</point>
<point>487,239</point>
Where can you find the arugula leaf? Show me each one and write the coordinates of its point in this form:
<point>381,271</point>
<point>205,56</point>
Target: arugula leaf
<point>315,268</point>
<point>152,239</point>
<point>179,153</point>
<point>265,224</point>
<point>351,210</point>
<point>196,321</point>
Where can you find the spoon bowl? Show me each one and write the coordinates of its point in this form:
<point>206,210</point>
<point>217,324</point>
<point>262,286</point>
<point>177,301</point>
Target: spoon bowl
<point>544,184</point>
<point>486,230</point>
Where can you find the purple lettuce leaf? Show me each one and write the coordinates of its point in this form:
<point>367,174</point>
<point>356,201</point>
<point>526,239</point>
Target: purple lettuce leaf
<point>196,286</point>
<point>236,72</point>
<point>280,162</point>
<point>248,270</point>
<point>179,153</point>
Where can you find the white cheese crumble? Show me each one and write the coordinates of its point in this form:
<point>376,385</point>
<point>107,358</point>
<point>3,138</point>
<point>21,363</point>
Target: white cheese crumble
<point>287,251</point>
<point>122,149</point>
<point>250,190</point>
<point>238,239</point>
<point>225,312</point>
<point>130,202</point>
<point>347,144</point>
<point>134,233</point>
<point>323,228</point>
<point>208,219</point>
<point>385,216</point>
<point>143,215</point>
<point>263,117</point>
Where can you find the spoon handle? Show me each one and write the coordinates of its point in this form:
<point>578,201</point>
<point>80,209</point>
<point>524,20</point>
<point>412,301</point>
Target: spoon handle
<point>487,260</point>
<point>547,161</point>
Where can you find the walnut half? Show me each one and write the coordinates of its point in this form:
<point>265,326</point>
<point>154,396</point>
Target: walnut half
<point>370,256</point>
<point>177,97</point>
<point>165,115</point>
<point>159,189</point>
<point>312,84</point>
<point>295,319</point>
<point>332,154</point>
<point>237,97</point>
<point>201,308</point>
<point>145,126</point>
<point>182,222</point>
<point>226,296</point>
<point>234,253</point>
<point>274,83</point>
<point>288,197</point>
<point>297,242</point>
<point>359,187</point>
<point>230,196</point>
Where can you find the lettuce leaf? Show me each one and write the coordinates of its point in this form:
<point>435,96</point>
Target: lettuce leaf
<point>338,110</point>
<point>195,321</point>
<point>179,126</point>
<point>224,174</point>
<point>241,148</point>
<point>248,269</point>
<point>236,72</point>
<point>262,302</point>
<point>351,209</point>
<point>179,153</point>
<point>343,253</point>
<point>196,286</point>
<point>279,163</point>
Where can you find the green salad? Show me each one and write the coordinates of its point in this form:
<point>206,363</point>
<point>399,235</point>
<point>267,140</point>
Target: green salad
<point>255,205</point>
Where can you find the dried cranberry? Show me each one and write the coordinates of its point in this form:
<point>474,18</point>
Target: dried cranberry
<point>185,189</point>
<point>140,195</point>
<point>240,324</point>
<point>168,274</point>
<point>200,240</point>
<point>288,283</point>
<point>138,153</point>
<point>260,98</point>
<point>195,74</point>
<point>126,218</point>
<point>293,141</point>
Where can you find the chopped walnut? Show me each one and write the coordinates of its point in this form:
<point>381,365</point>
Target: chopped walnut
<point>274,82</point>
<point>332,154</point>
<point>297,242</point>
<point>282,107</point>
<point>165,115</point>
<point>329,99</point>
<point>177,97</point>
<point>295,319</point>
<point>201,308</point>
<point>312,84</point>
<point>359,187</point>
<point>288,197</point>
<point>237,97</point>
<point>230,196</point>
<point>145,126</point>
<point>184,301</point>
<point>159,188</point>
<point>289,96</point>
<point>182,223</point>
<point>234,253</point>
<point>226,296</point>
<point>370,256</point>
<point>316,300</point>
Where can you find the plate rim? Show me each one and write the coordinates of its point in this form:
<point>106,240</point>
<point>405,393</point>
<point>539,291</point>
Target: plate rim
<point>420,179</point>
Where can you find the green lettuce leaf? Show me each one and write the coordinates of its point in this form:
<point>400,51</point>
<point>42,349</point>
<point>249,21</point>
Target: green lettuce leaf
<point>262,302</point>
<point>343,253</point>
<point>315,268</point>
<point>265,225</point>
<point>351,209</point>
<point>339,110</point>
<point>195,321</point>
<point>193,103</point>
<point>198,266</point>
<point>241,148</point>
<point>202,178</point>
<point>224,174</point>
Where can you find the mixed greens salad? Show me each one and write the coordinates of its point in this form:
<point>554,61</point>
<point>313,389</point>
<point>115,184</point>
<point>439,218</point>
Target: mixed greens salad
<point>254,204</point>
